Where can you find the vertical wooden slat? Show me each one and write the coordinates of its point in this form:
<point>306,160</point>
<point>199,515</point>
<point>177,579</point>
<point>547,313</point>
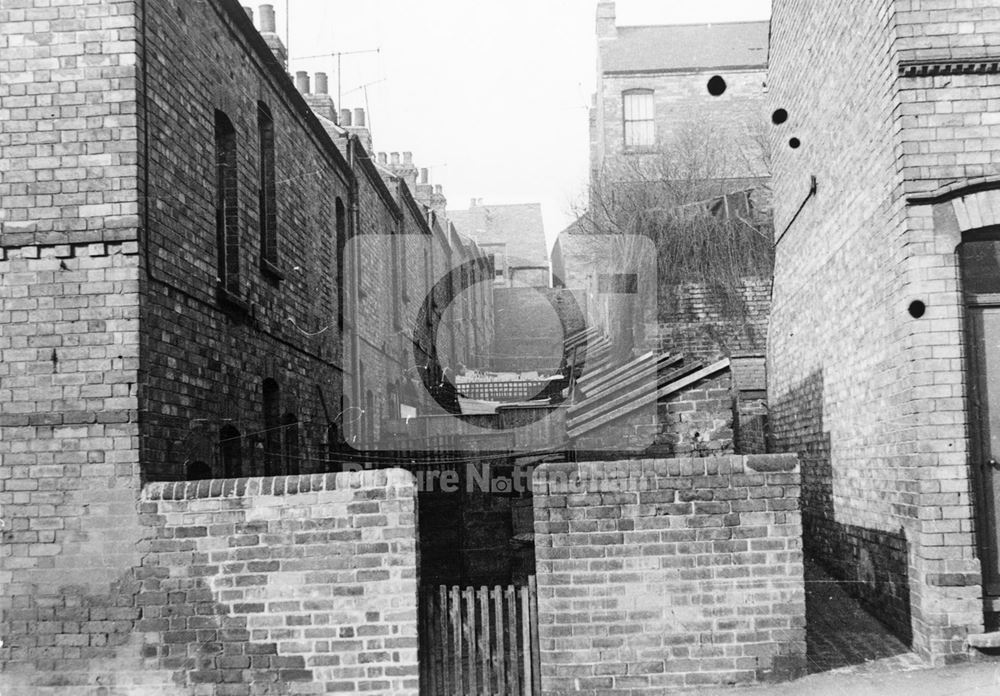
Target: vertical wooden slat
<point>499,631</point>
<point>470,638</point>
<point>423,642</point>
<point>536,656</point>
<point>455,614</point>
<point>435,652</point>
<point>514,667</point>
<point>525,641</point>
<point>443,647</point>
<point>484,641</point>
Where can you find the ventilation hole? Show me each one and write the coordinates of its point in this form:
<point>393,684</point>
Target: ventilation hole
<point>779,116</point>
<point>716,86</point>
<point>917,309</point>
<point>794,143</point>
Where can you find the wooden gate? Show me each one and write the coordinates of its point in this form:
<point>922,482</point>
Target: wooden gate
<point>479,641</point>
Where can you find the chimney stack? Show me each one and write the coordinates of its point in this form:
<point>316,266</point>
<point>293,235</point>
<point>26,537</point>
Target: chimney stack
<point>321,83</point>
<point>359,118</point>
<point>424,175</point>
<point>606,26</point>
<point>302,81</point>
<point>267,22</point>
<point>345,118</point>
<point>267,30</point>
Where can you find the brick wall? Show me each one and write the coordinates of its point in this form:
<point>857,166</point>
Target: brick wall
<point>872,398</point>
<point>659,574</point>
<point>699,321</point>
<point>683,107</point>
<point>278,585</point>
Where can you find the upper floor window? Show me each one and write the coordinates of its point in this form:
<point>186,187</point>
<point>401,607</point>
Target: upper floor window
<point>640,132</point>
<point>226,210</point>
<point>267,218</point>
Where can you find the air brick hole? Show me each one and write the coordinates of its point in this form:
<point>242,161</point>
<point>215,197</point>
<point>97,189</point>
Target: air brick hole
<point>917,309</point>
<point>716,86</point>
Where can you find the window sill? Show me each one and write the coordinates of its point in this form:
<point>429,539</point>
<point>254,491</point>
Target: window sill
<point>230,302</point>
<point>271,270</point>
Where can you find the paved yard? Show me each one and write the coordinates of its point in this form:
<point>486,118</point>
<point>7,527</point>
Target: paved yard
<point>852,654</point>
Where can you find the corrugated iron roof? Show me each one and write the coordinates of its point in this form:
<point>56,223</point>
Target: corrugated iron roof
<point>684,47</point>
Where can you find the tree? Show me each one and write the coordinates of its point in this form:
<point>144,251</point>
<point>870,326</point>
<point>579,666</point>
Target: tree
<point>704,201</point>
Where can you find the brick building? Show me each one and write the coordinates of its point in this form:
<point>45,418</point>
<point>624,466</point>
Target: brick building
<point>656,83</point>
<point>677,136</point>
<point>514,234</point>
<point>189,290</point>
<point>881,353</point>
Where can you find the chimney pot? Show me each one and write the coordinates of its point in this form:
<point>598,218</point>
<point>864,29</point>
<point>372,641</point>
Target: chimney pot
<point>345,118</point>
<point>302,81</point>
<point>473,203</point>
<point>249,11</point>
<point>321,84</point>
<point>423,175</point>
<point>383,158</point>
<point>438,188</point>
<point>394,157</point>
<point>407,158</point>
<point>267,19</point>
<point>359,118</point>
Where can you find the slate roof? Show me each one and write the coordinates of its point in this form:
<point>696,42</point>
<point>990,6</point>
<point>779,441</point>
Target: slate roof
<point>519,226</point>
<point>686,47</point>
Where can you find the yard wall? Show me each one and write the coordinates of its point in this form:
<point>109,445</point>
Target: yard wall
<point>661,574</point>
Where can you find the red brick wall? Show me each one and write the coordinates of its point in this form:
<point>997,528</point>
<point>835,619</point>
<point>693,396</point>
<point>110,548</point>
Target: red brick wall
<point>659,574</point>
<point>262,585</point>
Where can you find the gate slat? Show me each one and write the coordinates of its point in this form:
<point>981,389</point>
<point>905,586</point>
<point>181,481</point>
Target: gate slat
<point>484,641</point>
<point>511,625</point>
<point>442,643</point>
<point>498,657</point>
<point>525,640</point>
<point>536,657</point>
<point>470,638</point>
<point>455,613</point>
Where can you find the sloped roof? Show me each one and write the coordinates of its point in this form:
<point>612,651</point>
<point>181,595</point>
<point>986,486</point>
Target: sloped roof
<point>684,47</point>
<point>519,226</point>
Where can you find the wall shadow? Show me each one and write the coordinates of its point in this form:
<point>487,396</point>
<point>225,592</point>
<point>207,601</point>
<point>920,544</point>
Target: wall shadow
<point>869,566</point>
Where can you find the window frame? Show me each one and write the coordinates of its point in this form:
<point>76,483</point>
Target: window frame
<point>267,221</point>
<point>629,141</point>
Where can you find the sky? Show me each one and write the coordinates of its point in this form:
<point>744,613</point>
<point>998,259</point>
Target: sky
<point>490,95</point>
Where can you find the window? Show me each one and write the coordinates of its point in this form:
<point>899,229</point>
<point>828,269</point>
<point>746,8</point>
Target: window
<point>341,215</point>
<point>272,428</point>
<point>230,452</point>
<point>266,196</point>
<point>639,131</point>
<point>226,220</point>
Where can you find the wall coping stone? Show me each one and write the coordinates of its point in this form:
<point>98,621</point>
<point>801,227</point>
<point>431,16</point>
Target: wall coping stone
<point>274,485</point>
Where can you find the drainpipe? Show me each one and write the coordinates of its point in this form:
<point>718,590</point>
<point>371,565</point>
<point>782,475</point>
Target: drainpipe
<point>354,276</point>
